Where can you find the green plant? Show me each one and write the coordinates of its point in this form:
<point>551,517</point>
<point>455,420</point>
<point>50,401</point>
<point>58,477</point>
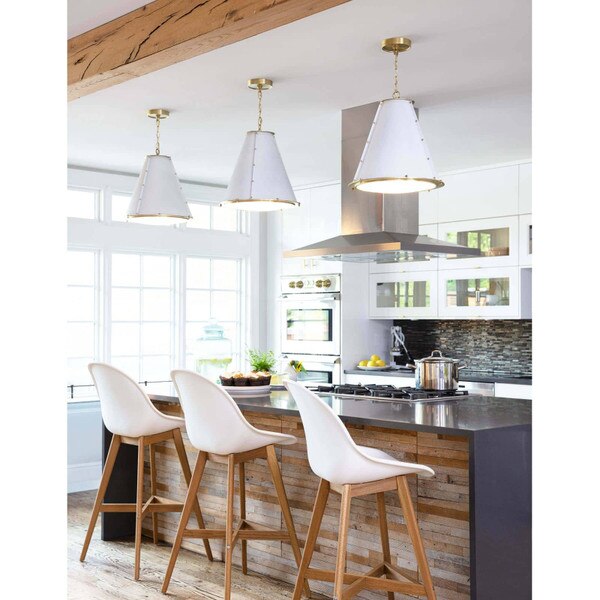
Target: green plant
<point>261,361</point>
<point>297,366</point>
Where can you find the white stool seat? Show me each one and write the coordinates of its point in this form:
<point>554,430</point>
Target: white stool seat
<point>332,453</point>
<point>214,422</point>
<point>125,406</point>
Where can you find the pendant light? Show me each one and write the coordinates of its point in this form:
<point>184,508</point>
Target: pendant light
<point>395,159</point>
<point>259,181</point>
<point>158,198</point>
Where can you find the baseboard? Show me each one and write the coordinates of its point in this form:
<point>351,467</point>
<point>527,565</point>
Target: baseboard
<point>82,477</point>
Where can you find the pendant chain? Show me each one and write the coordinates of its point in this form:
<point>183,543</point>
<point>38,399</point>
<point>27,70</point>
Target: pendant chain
<point>396,93</point>
<point>157,136</point>
<point>260,119</point>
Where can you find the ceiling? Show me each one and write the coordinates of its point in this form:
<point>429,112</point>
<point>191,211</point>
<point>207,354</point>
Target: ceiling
<point>469,72</point>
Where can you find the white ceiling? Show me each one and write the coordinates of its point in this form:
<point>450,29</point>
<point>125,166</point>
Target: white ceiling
<point>469,72</point>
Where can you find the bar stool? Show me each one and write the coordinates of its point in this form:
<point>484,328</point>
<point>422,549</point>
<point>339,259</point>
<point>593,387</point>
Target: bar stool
<point>352,471</point>
<point>217,428</point>
<point>131,417</point>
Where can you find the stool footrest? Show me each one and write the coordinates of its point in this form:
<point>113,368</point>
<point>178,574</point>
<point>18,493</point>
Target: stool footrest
<point>204,533</point>
<point>158,504</point>
<point>117,507</point>
<point>371,580</point>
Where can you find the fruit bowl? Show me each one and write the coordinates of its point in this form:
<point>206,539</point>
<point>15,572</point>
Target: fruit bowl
<point>383,368</point>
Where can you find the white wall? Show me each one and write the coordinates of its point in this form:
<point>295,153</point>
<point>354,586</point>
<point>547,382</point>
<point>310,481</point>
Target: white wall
<point>84,446</point>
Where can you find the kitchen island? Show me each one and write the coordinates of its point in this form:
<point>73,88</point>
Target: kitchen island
<point>475,514</point>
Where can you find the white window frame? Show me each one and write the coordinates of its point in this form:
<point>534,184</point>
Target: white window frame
<point>106,237</point>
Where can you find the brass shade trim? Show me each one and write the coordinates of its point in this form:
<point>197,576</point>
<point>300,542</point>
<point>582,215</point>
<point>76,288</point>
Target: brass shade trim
<point>438,183</point>
<point>159,215</point>
<point>250,200</point>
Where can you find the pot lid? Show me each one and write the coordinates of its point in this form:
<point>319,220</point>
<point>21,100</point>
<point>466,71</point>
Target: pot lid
<point>438,358</point>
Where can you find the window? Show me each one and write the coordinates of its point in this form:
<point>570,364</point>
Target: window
<point>142,318</point>
<point>213,291</point>
<point>83,321</point>
<point>119,206</point>
<point>81,203</point>
<point>212,216</point>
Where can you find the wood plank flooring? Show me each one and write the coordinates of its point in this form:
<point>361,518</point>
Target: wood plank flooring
<point>107,573</point>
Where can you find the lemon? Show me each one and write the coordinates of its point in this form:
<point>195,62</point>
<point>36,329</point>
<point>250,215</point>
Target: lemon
<point>363,363</point>
<point>371,363</point>
<point>380,363</point>
<point>375,358</point>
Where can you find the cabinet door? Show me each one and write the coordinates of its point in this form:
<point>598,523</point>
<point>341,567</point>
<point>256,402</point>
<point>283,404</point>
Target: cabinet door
<point>296,223</point>
<point>479,194</point>
<point>497,239</point>
<point>403,295</point>
<point>511,390</point>
<point>325,222</point>
<point>480,293</point>
<point>407,265</point>
<point>525,240</point>
<point>525,188</point>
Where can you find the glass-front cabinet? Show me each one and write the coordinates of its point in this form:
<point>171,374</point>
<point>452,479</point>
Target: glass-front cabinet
<point>472,293</point>
<point>403,295</point>
<point>525,240</point>
<point>497,239</point>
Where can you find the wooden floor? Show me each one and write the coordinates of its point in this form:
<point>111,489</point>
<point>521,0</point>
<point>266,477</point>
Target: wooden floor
<point>107,573</point>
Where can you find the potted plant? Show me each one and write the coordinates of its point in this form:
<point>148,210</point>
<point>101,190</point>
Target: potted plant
<point>262,363</point>
<point>293,368</point>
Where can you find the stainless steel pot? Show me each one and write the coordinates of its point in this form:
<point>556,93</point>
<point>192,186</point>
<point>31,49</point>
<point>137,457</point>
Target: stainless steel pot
<point>437,372</point>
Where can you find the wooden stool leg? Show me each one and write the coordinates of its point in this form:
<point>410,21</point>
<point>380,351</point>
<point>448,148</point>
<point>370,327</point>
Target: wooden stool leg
<point>111,457</point>
<point>385,537</point>
<point>139,503</point>
<point>153,491</point>
<point>229,524</point>
<point>311,536</point>
<point>285,508</point>
<point>415,535</point>
<point>185,467</point>
<point>340,565</point>
<point>242,478</point>
<point>185,516</point>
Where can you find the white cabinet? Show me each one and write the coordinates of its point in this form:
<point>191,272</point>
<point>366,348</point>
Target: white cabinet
<point>479,194</point>
<point>525,204</point>
<point>317,218</point>
<point>525,240</point>
<point>512,390</point>
<point>480,293</point>
<point>355,379</point>
<point>403,295</point>
<point>428,208</point>
<point>419,264</point>
<point>497,239</point>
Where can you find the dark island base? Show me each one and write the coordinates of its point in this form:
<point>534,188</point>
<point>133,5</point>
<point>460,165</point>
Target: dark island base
<point>475,515</point>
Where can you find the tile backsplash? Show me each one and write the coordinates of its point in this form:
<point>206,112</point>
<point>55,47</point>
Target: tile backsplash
<point>491,346</point>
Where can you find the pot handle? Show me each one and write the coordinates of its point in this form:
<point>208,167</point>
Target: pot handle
<point>439,353</point>
<point>411,366</point>
<point>462,367</point>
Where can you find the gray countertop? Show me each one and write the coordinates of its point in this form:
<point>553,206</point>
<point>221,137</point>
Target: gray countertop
<point>473,376</point>
<point>464,416</point>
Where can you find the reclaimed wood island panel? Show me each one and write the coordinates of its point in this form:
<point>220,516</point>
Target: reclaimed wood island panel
<point>445,504</point>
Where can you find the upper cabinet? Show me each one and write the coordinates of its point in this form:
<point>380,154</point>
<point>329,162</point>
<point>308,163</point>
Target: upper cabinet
<point>525,204</point>
<point>479,194</point>
<point>497,239</point>
<point>317,218</point>
<point>525,240</point>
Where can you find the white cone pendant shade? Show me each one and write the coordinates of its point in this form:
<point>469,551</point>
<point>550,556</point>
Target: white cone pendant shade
<point>158,198</point>
<point>259,181</point>
<point>395,159</point>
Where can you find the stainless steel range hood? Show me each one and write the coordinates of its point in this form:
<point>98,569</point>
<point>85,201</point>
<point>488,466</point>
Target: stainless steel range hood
<point>375,227</point>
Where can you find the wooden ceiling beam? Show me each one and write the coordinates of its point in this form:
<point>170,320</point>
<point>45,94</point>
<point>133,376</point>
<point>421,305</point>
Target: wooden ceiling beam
<point>166,32</point>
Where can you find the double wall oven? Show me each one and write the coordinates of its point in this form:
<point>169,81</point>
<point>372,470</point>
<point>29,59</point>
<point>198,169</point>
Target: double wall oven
<point>311,325</point>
